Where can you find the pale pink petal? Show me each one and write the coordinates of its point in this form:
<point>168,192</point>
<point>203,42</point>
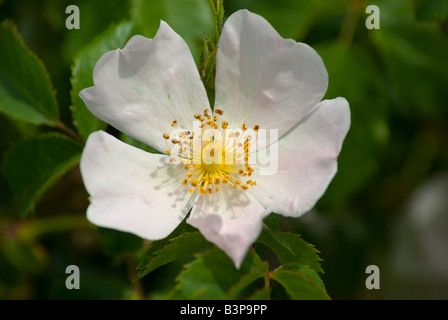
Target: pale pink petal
<point>307,161</point>
<point>263,79</point>
<point>142,88</point>
<point>132,190</point>
<point>230,218</point>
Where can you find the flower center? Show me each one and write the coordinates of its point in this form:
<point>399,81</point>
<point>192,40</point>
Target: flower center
<point>212,154</point>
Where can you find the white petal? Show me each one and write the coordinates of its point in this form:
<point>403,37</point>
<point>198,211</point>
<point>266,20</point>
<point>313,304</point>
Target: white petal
<point>142,88</point>
<point>264,79</point>
<point>307,161</point>
<point>132,190</point>
<point>230,218</point>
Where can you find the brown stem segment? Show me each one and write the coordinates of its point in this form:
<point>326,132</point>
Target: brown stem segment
<point>61,126</point>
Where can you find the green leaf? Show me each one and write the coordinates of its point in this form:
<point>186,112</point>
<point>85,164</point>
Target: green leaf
<point>279,240</point>
<point>159,244</point>
<point>213,276</point>
<point>34,165</point>
<point>260,294</point>
<point>290,247</point>
<point>271,222</point>
<point>82,74</point>
<point>166,251</point>
<point>306,270</point>
<point>256,272</point>
<point>300,284</point>
<point>26,92</point>
<point>189,18</point>
<point>217,11</point>
<point>208,70</point>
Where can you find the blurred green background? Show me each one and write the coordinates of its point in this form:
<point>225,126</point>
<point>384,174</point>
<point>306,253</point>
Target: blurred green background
<point>387,206</point>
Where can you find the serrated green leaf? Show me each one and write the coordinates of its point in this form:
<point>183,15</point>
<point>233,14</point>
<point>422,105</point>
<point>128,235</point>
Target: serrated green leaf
<point>212,275</point>
<point>26,92</point>
<point>278,238</point>
<point>189,18</point>
<point>82,74</point>
<point>163,252</point>
<point>208,70</point>
<point>290,248</point>
<point>306,270</point>
<point>256,272</point>
<point>300,284</point>
<point>260,294</point>
<point>271,222</point>
<point>159,244</point>
<point>34,165</point>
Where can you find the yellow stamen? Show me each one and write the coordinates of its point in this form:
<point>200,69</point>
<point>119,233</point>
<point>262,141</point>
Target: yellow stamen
<point>227,154</point>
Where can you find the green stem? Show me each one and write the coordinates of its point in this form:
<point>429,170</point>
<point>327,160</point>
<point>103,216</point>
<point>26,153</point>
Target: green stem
<point>136,284</point>
<point>350,22</point>
<point>30,230</point>
<point>217,12</point>
<point>61,126</point>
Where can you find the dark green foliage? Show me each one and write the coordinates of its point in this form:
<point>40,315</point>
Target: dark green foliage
<point>34,165</point>
<point>25,90</point>
<point>395,79</point>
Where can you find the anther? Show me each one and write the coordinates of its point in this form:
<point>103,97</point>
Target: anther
<point>194,183</point>
<point>206,178</point>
